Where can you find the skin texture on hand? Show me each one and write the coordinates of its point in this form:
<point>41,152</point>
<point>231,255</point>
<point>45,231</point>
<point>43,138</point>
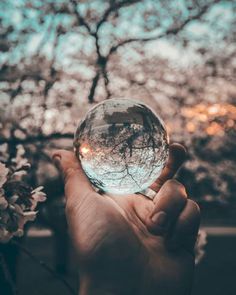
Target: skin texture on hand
<point>131,244</point>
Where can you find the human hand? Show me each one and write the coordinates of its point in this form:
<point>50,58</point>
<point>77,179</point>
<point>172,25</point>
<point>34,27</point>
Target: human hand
<point>131,244</point>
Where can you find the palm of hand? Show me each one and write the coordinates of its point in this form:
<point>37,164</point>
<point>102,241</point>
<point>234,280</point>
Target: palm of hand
<point>113,241</point>
<point>117,242</point>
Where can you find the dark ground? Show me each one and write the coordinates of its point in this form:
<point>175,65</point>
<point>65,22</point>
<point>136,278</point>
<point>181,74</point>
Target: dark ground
<point>215,275</point>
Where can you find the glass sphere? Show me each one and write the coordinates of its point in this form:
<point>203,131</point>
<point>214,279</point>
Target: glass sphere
<point>122,145</point>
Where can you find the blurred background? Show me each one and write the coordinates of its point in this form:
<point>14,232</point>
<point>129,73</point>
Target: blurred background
<point>58,58</point>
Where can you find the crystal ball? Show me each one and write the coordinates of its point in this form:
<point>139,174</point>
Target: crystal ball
<point>122,146</point>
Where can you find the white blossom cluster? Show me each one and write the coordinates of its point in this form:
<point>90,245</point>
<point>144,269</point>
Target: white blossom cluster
<point>17,200</point>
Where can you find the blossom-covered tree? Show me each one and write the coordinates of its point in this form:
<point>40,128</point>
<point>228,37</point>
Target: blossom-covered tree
<point>59,57</point>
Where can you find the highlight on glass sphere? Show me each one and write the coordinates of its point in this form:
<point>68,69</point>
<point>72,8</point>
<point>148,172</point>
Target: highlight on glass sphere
<point>122,146</point>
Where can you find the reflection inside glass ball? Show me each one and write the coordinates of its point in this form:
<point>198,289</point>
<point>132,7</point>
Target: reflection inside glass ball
<point>122,146</point>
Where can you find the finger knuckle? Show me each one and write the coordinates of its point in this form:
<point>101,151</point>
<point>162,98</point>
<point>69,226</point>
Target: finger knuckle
<point>189,222</point>
<point>178,191</point>
<point>175,184</point>
<point>180,199</point>
<point>194,207</point>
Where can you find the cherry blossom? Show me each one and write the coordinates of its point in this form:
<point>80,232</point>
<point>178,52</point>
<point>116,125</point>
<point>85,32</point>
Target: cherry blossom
<point>17,200</point>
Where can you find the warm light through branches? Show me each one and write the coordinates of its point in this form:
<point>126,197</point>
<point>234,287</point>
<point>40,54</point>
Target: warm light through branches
<point>215,118</point>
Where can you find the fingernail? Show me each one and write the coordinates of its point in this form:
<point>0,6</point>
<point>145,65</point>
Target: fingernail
<point>160,219</point>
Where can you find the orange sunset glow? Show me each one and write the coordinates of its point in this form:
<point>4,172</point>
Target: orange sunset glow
<point>214,119</point>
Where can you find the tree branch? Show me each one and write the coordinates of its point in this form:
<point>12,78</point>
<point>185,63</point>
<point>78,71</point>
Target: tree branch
<point>93,87</point>
<point>80,19</point>
<point>106,82</point>
<point>170,31</point>
<point>114,7</point>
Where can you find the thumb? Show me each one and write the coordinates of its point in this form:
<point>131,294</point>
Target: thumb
<point>77,185</point>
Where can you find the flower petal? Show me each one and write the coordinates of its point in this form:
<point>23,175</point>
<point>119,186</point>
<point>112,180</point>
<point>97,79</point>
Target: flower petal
<point>39,196</point>
<point>30,215</point>
<point>37,189</point>
<point>3,203</point>
<point>3,174</point>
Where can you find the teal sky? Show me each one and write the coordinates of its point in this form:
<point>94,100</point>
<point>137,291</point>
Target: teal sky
<point>40,27</point>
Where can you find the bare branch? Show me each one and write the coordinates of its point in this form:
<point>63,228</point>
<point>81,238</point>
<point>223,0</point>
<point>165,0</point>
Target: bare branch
<point>101,60</point>
<point>170,31</point>
<point>114,7</point>
<point>80,19</point>
<point>93,87</point>
<point>106,82</point>
<point>97,45</point>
